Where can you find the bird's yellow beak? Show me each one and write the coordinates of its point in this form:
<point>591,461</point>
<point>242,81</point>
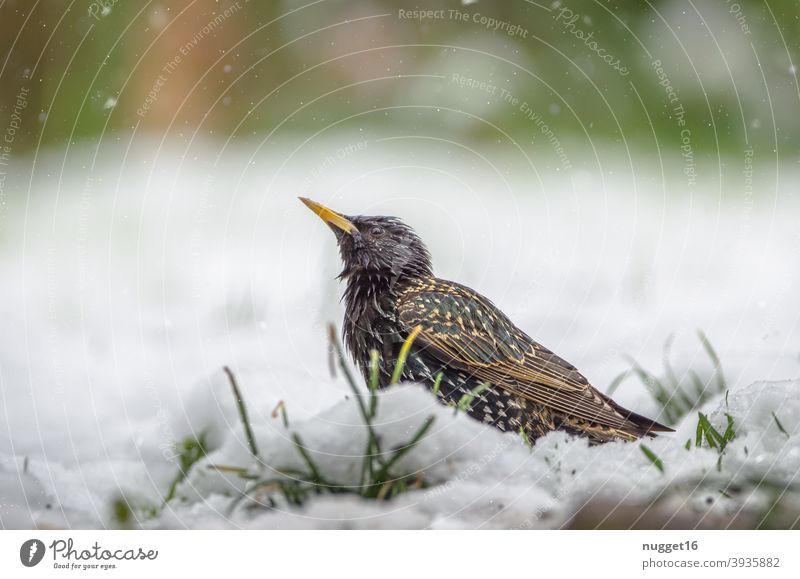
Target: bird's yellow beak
<point>328,216</point>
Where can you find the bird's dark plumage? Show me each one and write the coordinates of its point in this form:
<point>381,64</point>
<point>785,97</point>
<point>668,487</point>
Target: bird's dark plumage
<point>391,291</point>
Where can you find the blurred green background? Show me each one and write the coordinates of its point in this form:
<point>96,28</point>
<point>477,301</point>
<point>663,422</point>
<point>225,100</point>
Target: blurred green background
<point>246,67</point>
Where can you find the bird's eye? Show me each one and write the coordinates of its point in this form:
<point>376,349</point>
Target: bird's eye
<point>376,231</point>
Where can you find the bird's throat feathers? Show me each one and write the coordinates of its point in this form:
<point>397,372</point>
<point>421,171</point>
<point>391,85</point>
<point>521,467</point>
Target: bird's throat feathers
<point>370,321</point>
<point>367,288</point>
<point>382,257</point>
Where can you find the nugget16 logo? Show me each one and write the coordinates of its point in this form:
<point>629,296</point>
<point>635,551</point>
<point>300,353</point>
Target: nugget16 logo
<point>31,552</point>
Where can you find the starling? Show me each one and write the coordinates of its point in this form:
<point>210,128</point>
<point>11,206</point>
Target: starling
<point>512,382</point>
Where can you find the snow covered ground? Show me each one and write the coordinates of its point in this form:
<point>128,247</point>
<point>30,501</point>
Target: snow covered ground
<point>129,283</point>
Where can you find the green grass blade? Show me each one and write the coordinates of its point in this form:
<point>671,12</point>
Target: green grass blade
<point>699,387</point>
<point>373,451</point>
<point>437,383</point>
<point>280,408</point>
<point>401,359</point>
<point>350,380</point>
<point>465,402</point>
<point>653,457</point>
<point>237,470</point>
<point>779,425</point>
<point>403,450</point>
<point>524,436</point>
<point>730,432</point>
<point>714,359</point>
<point>248,431</point>
<point>700,432</point>
<point>316,476</point>
<point>190,451</point>
<point>374,370</point>
<point>667,363</point>
<point>617,381</point>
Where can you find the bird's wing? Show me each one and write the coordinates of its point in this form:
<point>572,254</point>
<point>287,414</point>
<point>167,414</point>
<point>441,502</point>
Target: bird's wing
<point>464,330</point>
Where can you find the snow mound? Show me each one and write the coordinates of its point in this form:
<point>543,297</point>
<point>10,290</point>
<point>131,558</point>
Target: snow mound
<point>479,477</point>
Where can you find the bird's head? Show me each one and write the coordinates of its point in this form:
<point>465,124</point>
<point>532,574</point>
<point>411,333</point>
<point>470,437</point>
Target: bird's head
<point>376,245</point>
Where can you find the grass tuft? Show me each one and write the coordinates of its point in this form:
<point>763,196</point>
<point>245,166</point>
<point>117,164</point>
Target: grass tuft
<point>380,476</point>
<point>280,408</point>
<point>190,450</point>
<point>677,395</point>
<point>122,513</point>
<point>127,514</point>
<point>706,431</point>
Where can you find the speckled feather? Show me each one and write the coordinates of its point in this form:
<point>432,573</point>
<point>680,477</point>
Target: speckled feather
<point>527,388</point>
<point>467,335</point>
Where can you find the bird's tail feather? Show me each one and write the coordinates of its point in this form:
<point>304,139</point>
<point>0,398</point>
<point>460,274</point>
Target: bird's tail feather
<point>640,425</point>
